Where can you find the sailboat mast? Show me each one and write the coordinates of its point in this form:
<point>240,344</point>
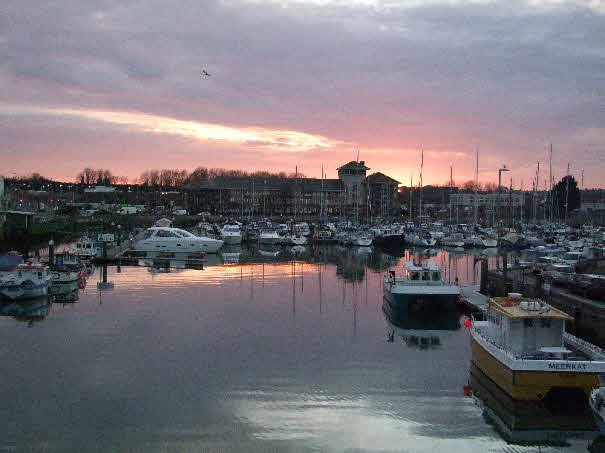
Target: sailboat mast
<point>411,191</point>
<point>476,184</point>
<point>421,166</point>
<point>550,179</point>
<point>536,188</point>
<point>451,183</point>
<point>567,193</point>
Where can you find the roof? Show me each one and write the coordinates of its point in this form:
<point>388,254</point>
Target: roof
<point>378,177</point>
<point>513,307</point>
<point>354,164</point>
<point>269,184</point>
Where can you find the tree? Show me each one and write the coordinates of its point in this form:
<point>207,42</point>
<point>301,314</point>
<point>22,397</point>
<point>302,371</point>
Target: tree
<point>559,194</point>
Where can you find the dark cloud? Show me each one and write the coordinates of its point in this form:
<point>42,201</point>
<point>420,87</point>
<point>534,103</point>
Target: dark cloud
<point>508,75</point>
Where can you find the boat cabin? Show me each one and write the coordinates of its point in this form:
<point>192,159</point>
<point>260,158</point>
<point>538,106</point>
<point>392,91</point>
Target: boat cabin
<point>527,326</point>
<point>427,272</point>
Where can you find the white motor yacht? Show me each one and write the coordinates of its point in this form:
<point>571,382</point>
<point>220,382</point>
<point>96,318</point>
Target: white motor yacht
<point>87,249</point>
<point>270,237</point>
<point>27,281</point>
<point>231,234</point>
<point>165,239</point>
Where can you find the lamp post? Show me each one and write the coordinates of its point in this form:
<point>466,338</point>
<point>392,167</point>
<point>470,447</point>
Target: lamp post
<point>500,170</point>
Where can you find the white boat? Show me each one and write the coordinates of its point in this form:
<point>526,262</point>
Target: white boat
<point>597,404</point>
<point>87,249</point>
<point>489,242</point>
<point>420,287</point>
<point>66,268</point>
<point>270,237</point>
<point>302,228</point>
<point>523,348</point>
<point>27,281</point>
<point>175,240</point>
<point>297,239</point>
<point>362,239</point>
<point>231,234</point>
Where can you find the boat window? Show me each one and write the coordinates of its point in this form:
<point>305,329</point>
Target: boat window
<point>425,276</point>
<point>545,322</point>
<point>147,234</point>
<point>528,322</point>
<point>39,274</point>
<point>414,276</point>
<point>166,234</point>
<point>436,276</point>
<point>179,233</point>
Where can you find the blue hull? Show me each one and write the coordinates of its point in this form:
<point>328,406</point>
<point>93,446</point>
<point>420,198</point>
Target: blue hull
<point>420,302</point>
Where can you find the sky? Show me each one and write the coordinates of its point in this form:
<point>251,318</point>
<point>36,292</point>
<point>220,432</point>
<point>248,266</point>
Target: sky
<point>308,84</point>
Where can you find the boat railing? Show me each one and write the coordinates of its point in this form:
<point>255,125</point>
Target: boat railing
<point>593,352</point>
<point>584,346</point>
<point>511,354</point>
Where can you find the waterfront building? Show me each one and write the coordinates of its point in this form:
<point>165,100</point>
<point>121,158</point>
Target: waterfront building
<point>352,195</point>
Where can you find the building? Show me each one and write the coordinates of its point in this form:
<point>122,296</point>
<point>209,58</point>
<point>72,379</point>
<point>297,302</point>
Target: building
<point>488,200</point>
<point>352,195</point>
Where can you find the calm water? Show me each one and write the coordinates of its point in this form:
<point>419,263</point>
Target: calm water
<point>269,356</point>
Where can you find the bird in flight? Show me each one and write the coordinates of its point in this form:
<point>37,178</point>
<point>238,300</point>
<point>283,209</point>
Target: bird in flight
<point>204,73</point>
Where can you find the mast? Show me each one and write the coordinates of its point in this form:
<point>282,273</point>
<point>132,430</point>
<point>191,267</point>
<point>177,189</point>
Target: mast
<point>476,183</point>
<point>421,166</point>
<point>451,183</point>
<point>550,179</point>
<point>295,190</point>
<point>535,193</point>
<point>567,193</point>
<point>321,198</point>
<point>411,191</point>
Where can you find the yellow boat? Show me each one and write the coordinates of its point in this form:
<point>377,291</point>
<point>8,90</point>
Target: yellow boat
<point>523,348</point>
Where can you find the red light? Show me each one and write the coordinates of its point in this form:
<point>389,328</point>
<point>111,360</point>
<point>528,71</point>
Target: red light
<point>20,201</point>
<point>52,201</point>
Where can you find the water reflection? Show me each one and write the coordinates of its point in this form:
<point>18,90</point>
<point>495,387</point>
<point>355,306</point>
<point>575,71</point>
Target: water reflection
<point>523,422</point>
<point>423,329</point>
<point>29,311</point>
<point>66,292</point>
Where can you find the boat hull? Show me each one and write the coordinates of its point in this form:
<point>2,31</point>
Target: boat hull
<point>231,240</point>
<point>21,292</point>
<point>413,302</point>
<point>528,385</point>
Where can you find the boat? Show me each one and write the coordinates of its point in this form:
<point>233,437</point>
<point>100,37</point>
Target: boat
<point>26,281</point>
<point>524,349</point>
<point>231,234</point>
<point>175,240</point>
<point>66,268</point>
<point>362,239</point>
<point>597,405</point>
<point>269,237</point>
<point>86,249</point>
<point>421,287</point>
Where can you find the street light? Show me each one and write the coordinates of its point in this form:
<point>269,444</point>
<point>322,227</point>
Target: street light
<point>500,170</point>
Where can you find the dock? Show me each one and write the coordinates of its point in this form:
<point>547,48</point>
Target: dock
<point>474,302</point>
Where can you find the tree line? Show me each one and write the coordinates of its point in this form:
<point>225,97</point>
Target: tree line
<point>100,177</point>
<point>174,178</point>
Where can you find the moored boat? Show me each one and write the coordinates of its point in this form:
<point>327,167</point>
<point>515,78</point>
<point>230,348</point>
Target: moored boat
<point>420,287</point>
<point>27,281</point>
<point>523,348</point>
<point>175,240</point>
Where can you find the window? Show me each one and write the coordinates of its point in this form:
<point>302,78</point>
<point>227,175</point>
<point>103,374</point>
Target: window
<point>165,234</point>
<point>414,276</point>
<point>528,322</point>
<point>436,276</point>
<point>147,234</point>
<point>545,322</point>
<point>425,276</point>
